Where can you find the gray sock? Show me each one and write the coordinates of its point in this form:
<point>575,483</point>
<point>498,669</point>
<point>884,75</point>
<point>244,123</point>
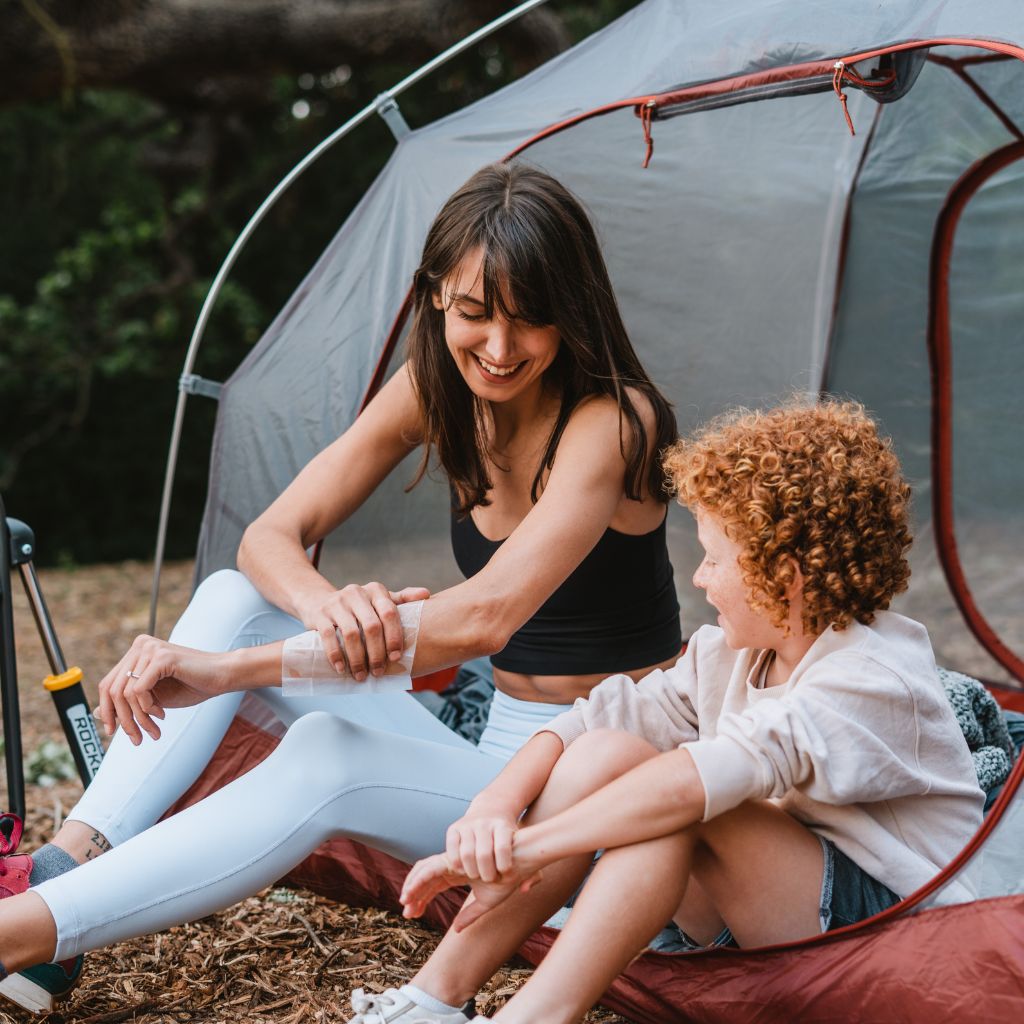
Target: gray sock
<point>49,861</point>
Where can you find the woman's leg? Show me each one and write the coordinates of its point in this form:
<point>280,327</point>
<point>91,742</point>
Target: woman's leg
<point>136,785</point>
<point>329,777</point>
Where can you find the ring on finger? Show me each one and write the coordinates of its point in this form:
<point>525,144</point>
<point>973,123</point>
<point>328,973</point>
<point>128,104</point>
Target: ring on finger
<point>132,674</point>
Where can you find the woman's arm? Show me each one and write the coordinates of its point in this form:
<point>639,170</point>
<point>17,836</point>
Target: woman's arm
<point>582,494</point>
<point>475,618</point>
<point>324,494</point>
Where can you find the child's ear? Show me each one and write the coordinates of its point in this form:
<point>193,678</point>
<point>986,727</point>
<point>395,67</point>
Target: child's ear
<point>796,585</point>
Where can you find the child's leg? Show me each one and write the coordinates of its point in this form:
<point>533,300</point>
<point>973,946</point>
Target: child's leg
<point>464,960</point>
<point>760,867</point>
<point>762,870</point>
<point>625,902</point>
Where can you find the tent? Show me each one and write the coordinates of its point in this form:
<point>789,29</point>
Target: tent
<point>793,195</point>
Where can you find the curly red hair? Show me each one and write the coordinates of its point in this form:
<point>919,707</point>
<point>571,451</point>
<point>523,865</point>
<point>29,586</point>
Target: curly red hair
<point>815,485</point>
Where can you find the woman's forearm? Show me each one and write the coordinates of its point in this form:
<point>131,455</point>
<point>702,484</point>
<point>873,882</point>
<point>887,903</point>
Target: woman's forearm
<point>659,797</point>
<point>279,568</point>
<point>251,668</point>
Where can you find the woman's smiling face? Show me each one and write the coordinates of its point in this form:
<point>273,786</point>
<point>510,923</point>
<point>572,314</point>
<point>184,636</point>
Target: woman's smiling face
<point>500,358</point>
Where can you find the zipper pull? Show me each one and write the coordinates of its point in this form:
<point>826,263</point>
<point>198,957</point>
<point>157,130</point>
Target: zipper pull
<point>839,73</point>
<point>646,115</point>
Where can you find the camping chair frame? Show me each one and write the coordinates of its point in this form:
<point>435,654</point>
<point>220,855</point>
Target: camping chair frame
<point>64,684</point>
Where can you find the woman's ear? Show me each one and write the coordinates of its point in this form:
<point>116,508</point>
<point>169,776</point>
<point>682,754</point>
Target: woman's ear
<point>435,298</point>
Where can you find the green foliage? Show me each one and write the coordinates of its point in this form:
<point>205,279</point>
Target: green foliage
<point>115,214</point>
<point>50,763</point>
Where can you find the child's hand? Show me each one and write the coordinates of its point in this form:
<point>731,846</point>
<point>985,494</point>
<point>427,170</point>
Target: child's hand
<point>434,875</point>
<point>479,845</point>
<point>428,878</point>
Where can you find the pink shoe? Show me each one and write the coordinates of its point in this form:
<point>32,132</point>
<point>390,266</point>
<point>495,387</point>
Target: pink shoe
<point>39,988</point>
<point>14,868</point>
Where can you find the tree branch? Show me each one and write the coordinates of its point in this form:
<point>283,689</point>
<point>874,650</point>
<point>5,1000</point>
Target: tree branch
<point>182,50</point>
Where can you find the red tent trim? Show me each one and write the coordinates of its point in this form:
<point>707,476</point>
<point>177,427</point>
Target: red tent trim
<point>941,359</point>
<point>958,69</point>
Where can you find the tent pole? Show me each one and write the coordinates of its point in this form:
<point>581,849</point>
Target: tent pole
<point>233,253</point>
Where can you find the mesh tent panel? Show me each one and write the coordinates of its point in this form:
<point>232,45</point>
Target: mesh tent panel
<point>922,146</point>
<point>986,281</point>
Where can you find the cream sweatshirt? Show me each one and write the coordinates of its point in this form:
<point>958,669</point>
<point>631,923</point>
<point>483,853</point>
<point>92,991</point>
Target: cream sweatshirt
<point>859,745</point>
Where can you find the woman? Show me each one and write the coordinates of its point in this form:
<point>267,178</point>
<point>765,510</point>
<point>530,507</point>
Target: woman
<point>522,381</point>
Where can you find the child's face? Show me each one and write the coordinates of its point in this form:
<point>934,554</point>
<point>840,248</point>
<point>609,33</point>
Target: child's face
<point>719,575</point>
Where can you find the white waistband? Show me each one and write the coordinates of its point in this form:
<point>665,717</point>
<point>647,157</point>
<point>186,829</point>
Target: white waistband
<point>511,722</point>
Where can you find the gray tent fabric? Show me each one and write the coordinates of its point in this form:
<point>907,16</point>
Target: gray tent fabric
<point>764,251</point>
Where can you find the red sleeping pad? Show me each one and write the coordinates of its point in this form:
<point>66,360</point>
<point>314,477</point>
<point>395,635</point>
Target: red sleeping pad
<point>954,964</point>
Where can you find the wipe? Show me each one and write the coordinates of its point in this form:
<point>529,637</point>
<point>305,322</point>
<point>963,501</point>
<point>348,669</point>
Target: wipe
<point>306,672</point>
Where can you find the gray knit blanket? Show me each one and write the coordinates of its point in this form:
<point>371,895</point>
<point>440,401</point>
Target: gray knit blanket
<point>983,725</point>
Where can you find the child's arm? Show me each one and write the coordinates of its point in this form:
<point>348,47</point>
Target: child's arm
<point>659,797</point>
<point>479,845</point>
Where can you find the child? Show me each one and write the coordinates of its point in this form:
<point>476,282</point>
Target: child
<point>799,769</point>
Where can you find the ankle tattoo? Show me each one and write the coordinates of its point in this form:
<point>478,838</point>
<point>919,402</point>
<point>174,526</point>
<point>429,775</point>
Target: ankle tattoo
<point>97,845</point>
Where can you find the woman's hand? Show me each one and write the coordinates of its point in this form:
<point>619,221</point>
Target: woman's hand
<point>154,675</point>
<point>359,626</point>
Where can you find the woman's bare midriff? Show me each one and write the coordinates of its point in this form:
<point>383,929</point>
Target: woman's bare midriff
<point>559,689</point>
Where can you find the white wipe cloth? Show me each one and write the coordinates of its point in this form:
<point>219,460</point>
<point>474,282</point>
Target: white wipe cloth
<point>305,670</point>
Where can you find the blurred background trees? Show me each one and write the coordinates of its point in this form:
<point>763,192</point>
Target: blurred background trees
<point>136,139</point>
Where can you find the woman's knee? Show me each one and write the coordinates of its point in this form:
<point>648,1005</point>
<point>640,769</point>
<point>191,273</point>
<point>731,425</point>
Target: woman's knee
<point>322,751</point>
<point>229,587</point>
<point>221,604</point>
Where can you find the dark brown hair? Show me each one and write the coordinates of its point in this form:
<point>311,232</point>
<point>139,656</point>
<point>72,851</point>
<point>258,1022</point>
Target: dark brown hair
<point>811,484</point>
<point>541,263</point>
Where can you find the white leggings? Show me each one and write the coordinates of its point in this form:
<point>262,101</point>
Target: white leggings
<point>378,768</point>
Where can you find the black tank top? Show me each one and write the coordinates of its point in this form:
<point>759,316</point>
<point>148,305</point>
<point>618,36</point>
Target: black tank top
<point>616,611</point>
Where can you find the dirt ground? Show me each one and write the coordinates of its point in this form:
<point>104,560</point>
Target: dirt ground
<point>281,956</point>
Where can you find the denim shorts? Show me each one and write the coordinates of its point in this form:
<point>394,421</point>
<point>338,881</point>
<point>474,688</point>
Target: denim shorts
<point>848,895</point>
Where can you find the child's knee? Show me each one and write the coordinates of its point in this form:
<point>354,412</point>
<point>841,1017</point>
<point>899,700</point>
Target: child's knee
<point>604,754</point>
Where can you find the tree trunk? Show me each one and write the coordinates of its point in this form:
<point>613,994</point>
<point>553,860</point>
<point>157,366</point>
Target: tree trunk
<point>225,52</point>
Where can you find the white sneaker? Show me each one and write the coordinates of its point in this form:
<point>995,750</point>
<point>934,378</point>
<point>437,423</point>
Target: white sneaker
<point>384,1007</point>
